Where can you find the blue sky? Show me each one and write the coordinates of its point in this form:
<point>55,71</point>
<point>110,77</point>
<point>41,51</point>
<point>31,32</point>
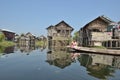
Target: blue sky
<point>22,16</point>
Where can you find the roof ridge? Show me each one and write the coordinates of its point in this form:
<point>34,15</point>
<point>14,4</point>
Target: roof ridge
<point>106,18</point>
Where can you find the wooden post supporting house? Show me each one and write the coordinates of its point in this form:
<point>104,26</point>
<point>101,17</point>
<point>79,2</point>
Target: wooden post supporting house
<point>111,43</point>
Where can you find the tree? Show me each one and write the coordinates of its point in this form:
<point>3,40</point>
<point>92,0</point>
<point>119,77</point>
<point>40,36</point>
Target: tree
<point>2,37</point>
<point>76,36</point>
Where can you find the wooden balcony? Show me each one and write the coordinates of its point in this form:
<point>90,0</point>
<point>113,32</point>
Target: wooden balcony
<point>61,38</point>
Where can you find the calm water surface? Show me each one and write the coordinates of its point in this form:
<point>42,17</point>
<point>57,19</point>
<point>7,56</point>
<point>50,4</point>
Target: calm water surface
<point>39,64</point>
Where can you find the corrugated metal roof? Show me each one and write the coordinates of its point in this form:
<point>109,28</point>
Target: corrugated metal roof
<point>106,19</point>
<point>7,30</point>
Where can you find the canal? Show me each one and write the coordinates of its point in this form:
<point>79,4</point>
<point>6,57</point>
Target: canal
<point>31,63</point>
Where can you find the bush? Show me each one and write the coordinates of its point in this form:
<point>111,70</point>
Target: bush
<point>6,43</point>
<point>2,37</point>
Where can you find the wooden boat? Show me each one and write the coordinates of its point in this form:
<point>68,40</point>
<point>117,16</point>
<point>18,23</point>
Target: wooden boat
<point>95,50</point>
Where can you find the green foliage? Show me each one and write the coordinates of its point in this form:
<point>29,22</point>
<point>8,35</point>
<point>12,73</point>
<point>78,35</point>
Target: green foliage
<point>22,34</point>
<point>40,43</point>
<point>3,43</point>
<point>2,49</point>
<point>6,43</point>
<point>69,40</point>
<point>2,37</point>
<point>76,36</point>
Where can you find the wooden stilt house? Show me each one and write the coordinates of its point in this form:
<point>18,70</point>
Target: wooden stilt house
<point>27,39</point>
<point>60,34</point>
<point>96,32</point>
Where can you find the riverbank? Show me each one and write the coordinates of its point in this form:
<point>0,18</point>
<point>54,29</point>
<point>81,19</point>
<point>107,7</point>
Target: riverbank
<point>96,50</point>
<point>6,43</point>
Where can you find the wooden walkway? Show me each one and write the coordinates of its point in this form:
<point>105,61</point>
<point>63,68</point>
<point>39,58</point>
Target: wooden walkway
<point>96,50</point>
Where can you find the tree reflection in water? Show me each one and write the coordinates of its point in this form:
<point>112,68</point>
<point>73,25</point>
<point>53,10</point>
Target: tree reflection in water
<point>29,49</point>
<point>21,48</point>
<point>2,49</point>
<point>7,50</point>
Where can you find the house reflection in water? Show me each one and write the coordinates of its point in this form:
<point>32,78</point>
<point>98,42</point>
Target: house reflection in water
<point>100,66</point>
<point>59,57</point>
<point>26,49</point>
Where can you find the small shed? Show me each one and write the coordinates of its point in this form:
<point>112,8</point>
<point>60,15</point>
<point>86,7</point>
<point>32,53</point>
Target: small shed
<point>9,35</point>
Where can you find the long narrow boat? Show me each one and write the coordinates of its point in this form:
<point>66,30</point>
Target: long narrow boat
<point>95,50</point>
